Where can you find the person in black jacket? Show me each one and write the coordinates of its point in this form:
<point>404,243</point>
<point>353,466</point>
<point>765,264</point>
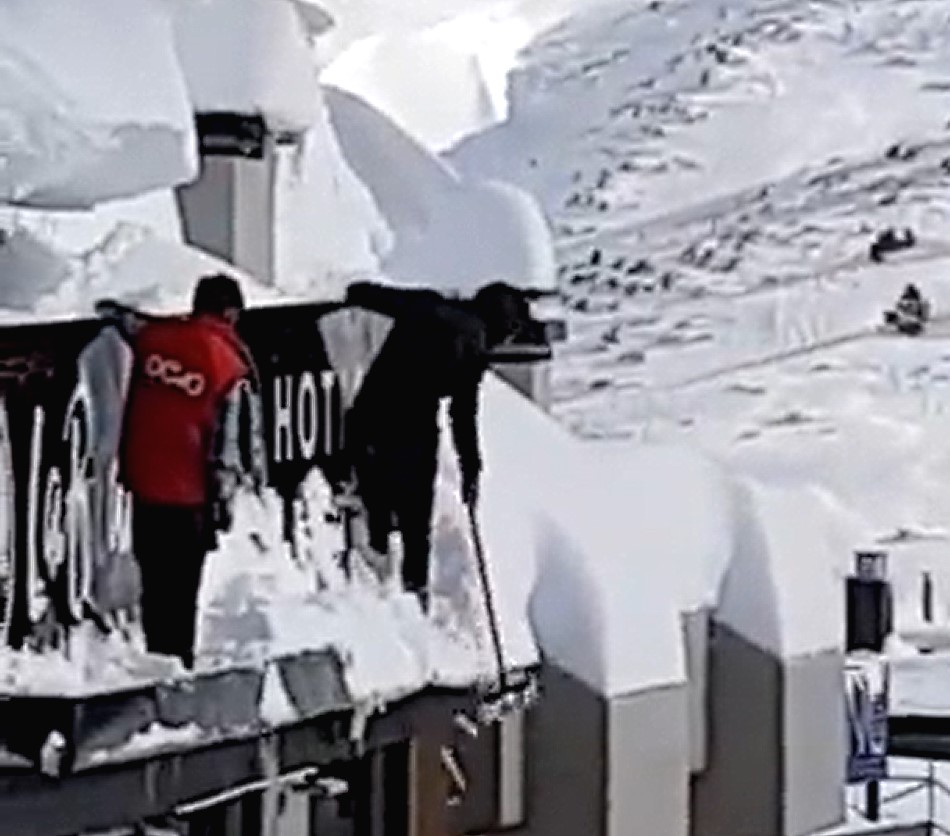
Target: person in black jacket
<point>437,349</point>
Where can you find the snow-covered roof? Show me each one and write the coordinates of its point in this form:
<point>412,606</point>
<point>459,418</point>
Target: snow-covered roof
<point>248,56</point>
<point>784,588</point>
<point>450,233</point>
<point>605,605</point>
<point>30,268</point>
<point>394,73</point>
<point>87,115</point>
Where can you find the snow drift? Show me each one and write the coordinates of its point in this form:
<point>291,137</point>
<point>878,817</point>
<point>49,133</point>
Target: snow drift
<point>328,229</point>
<point>449,233</point>
<point>394,74</point>
<point>248,56</point>
<point>88,116</point>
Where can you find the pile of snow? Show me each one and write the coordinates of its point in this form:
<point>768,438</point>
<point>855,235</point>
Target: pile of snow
<point>248,56</point>
<point>92,664</point>
<point>395,72</point>
<point>783,587</point>
<point>386,53</point>
<point>328,230</point>
<point>88,116</point>
<point>30,269</point>
<point>432,213</point>
<point>130,264</point>
<point>606,602</point>
<point>259,602</point>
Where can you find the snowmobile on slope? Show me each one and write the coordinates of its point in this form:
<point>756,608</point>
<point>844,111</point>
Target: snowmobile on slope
<point>890,241</point>
<point>910,314</point>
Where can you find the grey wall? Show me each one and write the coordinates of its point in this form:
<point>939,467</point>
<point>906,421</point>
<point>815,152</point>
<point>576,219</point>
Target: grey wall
<point>229,211</point>
<point>776,742</point>
<point>696,642</point>
<point>606,768</point>
<point>254,216</point>
<point>739,794</point>
<point>814,742</point>
<point>566,769</point>
<point>207,208</point>
<point>648,760</point>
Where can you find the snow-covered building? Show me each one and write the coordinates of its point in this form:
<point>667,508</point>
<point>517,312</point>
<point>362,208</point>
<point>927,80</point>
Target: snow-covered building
<point>686,623</point>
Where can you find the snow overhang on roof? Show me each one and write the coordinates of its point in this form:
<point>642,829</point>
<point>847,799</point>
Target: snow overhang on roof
<point>88,117</point>
<point>432,211</point>
<point>252,57</point>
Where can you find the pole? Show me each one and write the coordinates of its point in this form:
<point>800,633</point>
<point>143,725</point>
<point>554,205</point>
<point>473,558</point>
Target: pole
<point>486,587</point>
<point>931,796</point>
<point>928,598</point>
<point>872,800</point>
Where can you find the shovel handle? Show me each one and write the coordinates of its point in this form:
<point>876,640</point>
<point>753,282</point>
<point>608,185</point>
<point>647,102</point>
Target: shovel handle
<point>486,588</point>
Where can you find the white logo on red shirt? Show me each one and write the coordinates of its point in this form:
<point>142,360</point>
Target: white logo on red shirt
<point>170,372</point>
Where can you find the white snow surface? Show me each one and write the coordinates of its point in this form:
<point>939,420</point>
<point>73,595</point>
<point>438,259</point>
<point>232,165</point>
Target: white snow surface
<point>391,71</point>
<point>384,53</point>
<point>450,233</point>
<point>130,263</point>
<point>87,116</point>
<point>783,588</point>
<point>248,56</point>
<point>328,229</point>
<point>258,603</point>
<point>607,548</point>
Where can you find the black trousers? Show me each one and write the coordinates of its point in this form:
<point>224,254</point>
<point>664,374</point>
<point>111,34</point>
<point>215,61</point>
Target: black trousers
<point>170,543</point>
<point>397,485</point>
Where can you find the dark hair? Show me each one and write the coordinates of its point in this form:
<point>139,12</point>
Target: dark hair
<point>216,293</point>
<point>503,308</point>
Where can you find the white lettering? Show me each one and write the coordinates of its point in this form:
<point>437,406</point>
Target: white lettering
<point>36,599</point>
<point>169,371</point>
<point>77,526</point>
<point>326,381</point>
<point>7,527</point>
<point>307,409</point>
<point>283,419</point>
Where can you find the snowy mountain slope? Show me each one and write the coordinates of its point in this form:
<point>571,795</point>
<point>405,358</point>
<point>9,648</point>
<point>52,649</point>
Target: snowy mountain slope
<point>639,109</point>
<point>706,212</point>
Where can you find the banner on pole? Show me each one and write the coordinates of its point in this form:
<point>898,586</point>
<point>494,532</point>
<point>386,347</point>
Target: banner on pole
<point>867,687</point>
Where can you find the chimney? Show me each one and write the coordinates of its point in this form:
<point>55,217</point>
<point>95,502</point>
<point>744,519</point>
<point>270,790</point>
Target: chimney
<point>230,209</point>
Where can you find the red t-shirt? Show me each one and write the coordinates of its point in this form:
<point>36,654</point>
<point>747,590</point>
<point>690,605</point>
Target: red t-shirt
<point>183,370</point>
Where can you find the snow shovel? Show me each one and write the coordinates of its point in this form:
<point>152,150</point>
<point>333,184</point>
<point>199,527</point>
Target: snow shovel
<point>509,693</point>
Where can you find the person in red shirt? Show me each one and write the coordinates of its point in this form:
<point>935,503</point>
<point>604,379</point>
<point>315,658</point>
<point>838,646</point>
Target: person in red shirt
<point>184,371</point>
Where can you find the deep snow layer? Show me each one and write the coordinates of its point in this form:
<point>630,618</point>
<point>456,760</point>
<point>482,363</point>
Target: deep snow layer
<point>87,116</point>
<point>448,232</point>
<point>248,56</point>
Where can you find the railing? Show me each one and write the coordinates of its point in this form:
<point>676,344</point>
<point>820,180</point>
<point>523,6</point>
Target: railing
<point>929,785</point>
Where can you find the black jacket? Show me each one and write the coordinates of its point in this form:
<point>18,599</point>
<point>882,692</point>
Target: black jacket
<point>436,349</point>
